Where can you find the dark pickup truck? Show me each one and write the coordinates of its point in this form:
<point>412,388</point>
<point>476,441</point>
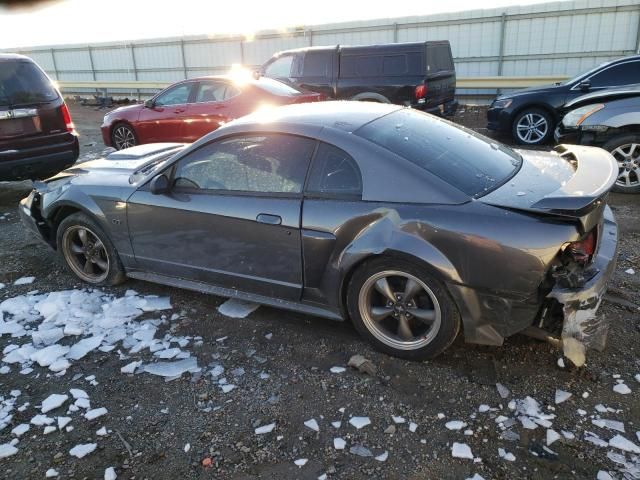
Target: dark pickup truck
<point>421,75</point>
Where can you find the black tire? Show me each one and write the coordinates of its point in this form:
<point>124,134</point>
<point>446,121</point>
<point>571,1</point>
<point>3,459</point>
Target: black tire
<point>123,136</point>
<point>102,251</point>
<point>537,138</point>
<point>631,165</point>
<point>449,317</point>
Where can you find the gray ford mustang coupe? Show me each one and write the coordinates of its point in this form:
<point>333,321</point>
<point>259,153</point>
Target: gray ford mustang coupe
<point>409,225</point>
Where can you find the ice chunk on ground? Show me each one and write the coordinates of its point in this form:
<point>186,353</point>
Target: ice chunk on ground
<point>622,443</point>
<point>168,353</point>
<point>484,408</point>
<point>21,429</point>
<point>24,281</point>
<point>610,424</point>
<point>53,401</point>
<point>40,420</point>
<point>84,346</point>
<point>461,450</point>
<point>630,271</point>
<point>95,413</point>
<point>52,472</point>
<point>397,419</point>
<point>312,424</point>
<point>359,422</point>
<point>336,424</point>
<point>595,439</point>
<point>49,429</point>
<point>131,367</point>
<point>60,365</point>
<point>173,369</point>
<point>48,355</point>
<point>455,425</point>
<point>101,432</point>
<point>502,390</point>
<point>508,456</point>
<point>562,396</point>
<point>110,474</point>
<point>337,369</point>
<point>187,447</point>
<point>265,429</point>
<point>235,308</point>
<point>383,456</point>
<point>602,475</point>
<point>47,336</point>
<point>476,477</point>
<point>360,450</point>
<point>6,450</point>
<point>82,403</point>
<point>82,449</point>
<point>301,462</point>
<point>621,388</point>
<point>413,427</point>
<point>552,436</point>
<point>339,443</point>
<point>227,387</point>
<point>63,422</point>
<point>78,393</point>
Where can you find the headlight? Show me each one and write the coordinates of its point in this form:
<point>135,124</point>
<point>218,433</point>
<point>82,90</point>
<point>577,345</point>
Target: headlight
<point>575,117</point>
<point>504,103</point>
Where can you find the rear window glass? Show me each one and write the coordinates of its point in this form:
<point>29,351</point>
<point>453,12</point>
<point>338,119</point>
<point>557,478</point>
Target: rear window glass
<point>276,88</point>
<point>464,159</point>
<point>23,83</point>
<point>439,58</point>
<point>375,65</point>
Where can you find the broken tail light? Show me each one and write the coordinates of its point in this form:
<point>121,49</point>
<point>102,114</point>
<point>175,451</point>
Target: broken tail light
<point>582,251</point>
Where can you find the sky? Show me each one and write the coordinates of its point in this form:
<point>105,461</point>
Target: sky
<point>91,21</point>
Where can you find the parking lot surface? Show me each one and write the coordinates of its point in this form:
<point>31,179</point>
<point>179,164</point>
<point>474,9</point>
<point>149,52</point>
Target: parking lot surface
<point>506,408</point>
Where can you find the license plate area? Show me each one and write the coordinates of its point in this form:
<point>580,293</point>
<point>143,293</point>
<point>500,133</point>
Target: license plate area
<point>19,122</point>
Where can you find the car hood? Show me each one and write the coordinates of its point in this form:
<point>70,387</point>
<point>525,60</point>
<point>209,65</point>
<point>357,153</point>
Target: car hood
<point>532,91</point>
<point>569,181</point>
<point>118,168</point>
<point>605,96</point>
<point>127,110</point>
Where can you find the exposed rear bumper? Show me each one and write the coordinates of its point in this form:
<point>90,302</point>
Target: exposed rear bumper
<point>583,328</point>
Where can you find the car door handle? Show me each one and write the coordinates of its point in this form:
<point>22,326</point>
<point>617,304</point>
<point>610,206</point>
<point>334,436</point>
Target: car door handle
<point>269,219</point>
<point>179,110</point>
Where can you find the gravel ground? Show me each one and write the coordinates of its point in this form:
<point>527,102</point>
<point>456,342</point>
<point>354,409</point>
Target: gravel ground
<point>150,420</point>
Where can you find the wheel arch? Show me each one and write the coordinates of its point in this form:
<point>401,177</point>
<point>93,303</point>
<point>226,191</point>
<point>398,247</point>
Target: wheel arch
<point>370,96</point>
<point>125,122</point>
<point>533,105</point>
<point>65,209</point>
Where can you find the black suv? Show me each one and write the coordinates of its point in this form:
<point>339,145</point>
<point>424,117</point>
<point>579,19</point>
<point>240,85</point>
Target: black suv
<point>531,115</point>
<point>420,75</point>
<point>37,136</point>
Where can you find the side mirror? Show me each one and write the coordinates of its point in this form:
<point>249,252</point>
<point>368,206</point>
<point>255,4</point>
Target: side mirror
<point>256,74</point>
<point>148,104</point>
<point>585,85</point>
<point>159,184</point>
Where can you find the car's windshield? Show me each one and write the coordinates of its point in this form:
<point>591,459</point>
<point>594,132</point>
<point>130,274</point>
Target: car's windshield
<point>461,157</point>
<point>276,88</point>
<point>24,83</point>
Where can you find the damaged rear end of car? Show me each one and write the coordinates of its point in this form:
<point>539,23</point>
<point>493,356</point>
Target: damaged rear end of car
<point>570,185</point>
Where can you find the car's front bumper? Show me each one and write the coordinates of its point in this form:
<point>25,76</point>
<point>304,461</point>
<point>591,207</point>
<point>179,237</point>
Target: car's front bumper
<point>499,119</point>
<point>582,327</point>
<point>29,215</point>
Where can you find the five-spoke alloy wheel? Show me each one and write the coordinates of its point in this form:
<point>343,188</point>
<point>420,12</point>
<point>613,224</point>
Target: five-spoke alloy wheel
<point>532,127</point>
<point>88,252</point>
<point>626,150</point>
<point>402,309</point>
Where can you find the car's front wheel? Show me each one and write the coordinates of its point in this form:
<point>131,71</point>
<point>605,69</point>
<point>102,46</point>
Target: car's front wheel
<point>88,252</point>
<point>626,150</point>
<point>401,309</point>
<point>123,136</point>
<point>532,126</point>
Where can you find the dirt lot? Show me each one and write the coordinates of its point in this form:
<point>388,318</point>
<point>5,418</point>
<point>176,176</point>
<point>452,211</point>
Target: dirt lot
<point>280,363</point>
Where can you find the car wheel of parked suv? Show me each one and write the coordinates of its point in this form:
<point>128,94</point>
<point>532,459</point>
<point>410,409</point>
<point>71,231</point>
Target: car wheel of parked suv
<point>626,150</point>
<point>402,310</point>
<point>532,126</point>
<point>123,136</point>
<point>88,252</point>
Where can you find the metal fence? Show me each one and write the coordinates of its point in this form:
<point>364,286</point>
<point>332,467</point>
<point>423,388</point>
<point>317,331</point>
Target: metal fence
<point>552,39</point>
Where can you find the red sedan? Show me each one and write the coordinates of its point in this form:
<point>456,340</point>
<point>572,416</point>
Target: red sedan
<point>187,110</point>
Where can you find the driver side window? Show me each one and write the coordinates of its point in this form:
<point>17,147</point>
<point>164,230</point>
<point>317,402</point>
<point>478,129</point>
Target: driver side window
<point>174,96</point>
<point>264,163</point>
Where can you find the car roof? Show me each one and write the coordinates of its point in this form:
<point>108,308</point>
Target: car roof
<point>347,116</point>
<point>6,57</point>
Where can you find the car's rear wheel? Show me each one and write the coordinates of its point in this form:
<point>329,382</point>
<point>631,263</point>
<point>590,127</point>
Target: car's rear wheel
<point>401,309</point>
<point>532,126</point>
<point>123,136</point>
<point>88,252</point>
<point>626,150</point>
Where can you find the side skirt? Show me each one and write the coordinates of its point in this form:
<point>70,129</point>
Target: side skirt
<point>227,292</point>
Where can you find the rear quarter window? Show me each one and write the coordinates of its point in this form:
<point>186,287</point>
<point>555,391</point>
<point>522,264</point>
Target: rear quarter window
<point>396,64</point>
<point>439,58</point>
<point>464,159</point>
<point>24,82</point>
